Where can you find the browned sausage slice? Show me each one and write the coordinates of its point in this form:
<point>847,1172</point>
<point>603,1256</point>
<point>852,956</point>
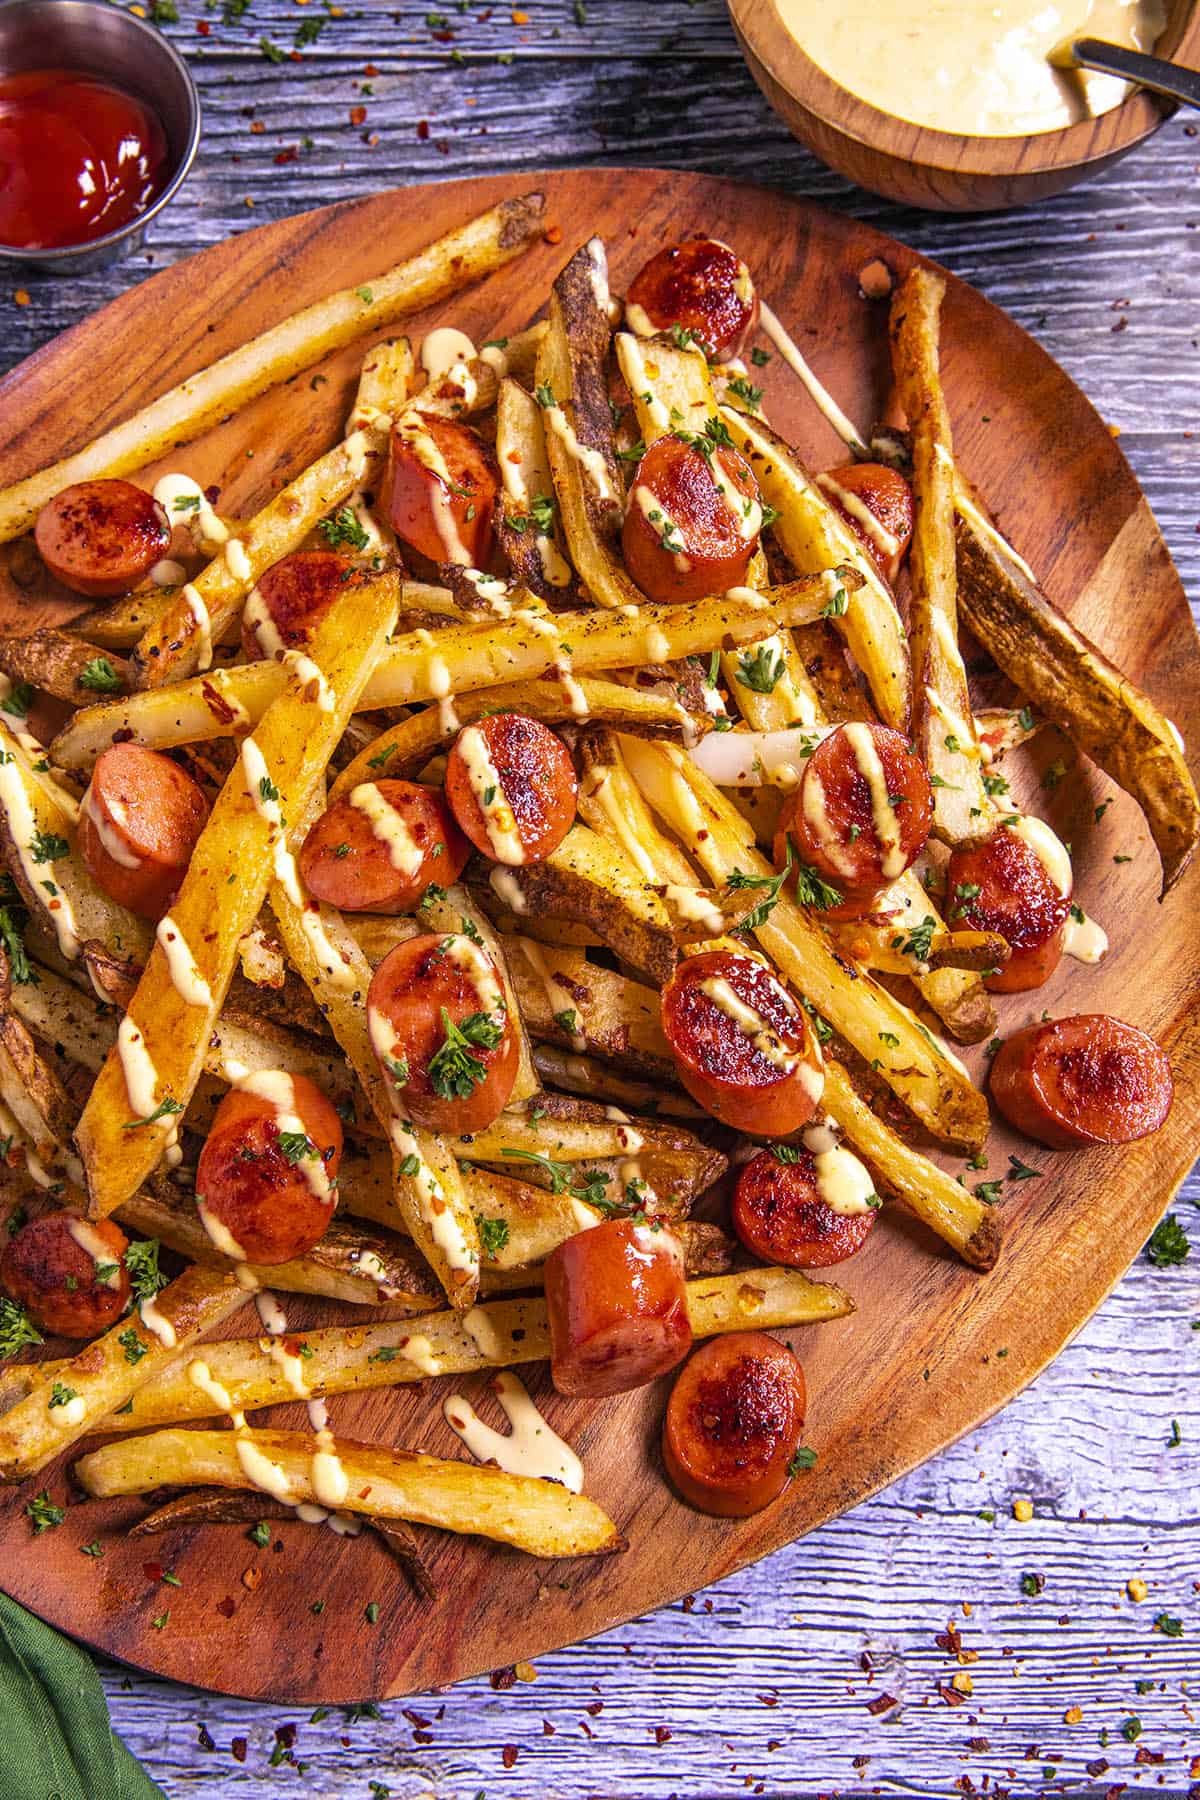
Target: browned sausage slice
<point>102,537</point>
<point>379,847</point>
<point>877,504</point>
<point>702,287</point>
<point>862,812</point>
<point>733,1424</point>
<point>68,1273</point>
<point>512,787</point>
<point>617,1306</point>
<point>784,1212</point>
<point>693,520</point>
<point>266,1182</point>
<point>1090,1079</point>
<point>1007,885</point>
<point>289,601</point>
<point>140,820</point>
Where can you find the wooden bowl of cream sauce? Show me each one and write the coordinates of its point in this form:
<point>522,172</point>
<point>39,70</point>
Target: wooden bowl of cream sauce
<point>953,104</point>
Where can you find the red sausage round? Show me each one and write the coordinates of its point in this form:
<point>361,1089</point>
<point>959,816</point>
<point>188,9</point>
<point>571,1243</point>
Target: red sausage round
<point>68,1273</point>
<point>102,537</point>
<point>378,848</point>
<point>138,826</point>
<point>512,788</point>
<point>693,520</point>
<point>442,1032</point>
<point>440,490</point>
<point>617,1305</point>
<point>702,286</point>
<point>1089,1079</point>
<point>266,1182</point>
<point>877,504</point>
<point>743,1047</point>
<point>862,812</point>
<point>733,1424</point>
<point>289,601</point>
<point>781,1215</point>
<point>1003,885</point>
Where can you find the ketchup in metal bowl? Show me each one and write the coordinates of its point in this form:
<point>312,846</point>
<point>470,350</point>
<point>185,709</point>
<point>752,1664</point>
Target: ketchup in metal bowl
<point>78,158</point>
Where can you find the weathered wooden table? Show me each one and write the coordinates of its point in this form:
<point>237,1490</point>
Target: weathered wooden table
<point>765,1684</point>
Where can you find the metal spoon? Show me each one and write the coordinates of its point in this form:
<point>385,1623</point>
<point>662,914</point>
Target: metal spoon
<point>1153,72</point>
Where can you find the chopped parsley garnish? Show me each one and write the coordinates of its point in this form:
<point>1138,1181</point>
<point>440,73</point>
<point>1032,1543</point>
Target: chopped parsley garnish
<point>297,1146</point>
<point>919,941</point>
<point>344,527</point>
<point>12,923</point>
<point>18,699</point>
<point>591,1189</point>
<point>738,882</point>
<point>988,1192</point>
<point>812,890</point>
<point>382,756</point>
<point>410,1166</point>
<point>267,789</point>
<point>141,1261</point>
<point>760,672</point>
<point>785,1153</point>
<point>568,1021</point>
<point>16,1328</point>
<point>803,1460</point>
<point>132,1345</point>
<point>260,1534</point>
<point>683,337</point>
<point>890,1039</point>
<point>165,1109</point>
<point>760,358</point>
<point>61,1395</point>
<point>746,391</point>
<point>95,1548</point>
<point>1168,1243</point>
<point>454,1070</point>
<point>1025,718</point>
<point>544,394</point>
<point>365,295</point>
<point>1172,1628</point>
<point>100,676</point>
<point>493,1233</point>
<point>634,453</point>
<point>1019,1171</point>
<point>835,608</point>
<point>47,846</point>
<point>995,784</point>
<point>42,1513</point>
<point>397,1068</point>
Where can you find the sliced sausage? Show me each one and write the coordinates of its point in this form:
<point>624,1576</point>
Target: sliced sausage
<point>1004,885</point>
<point>68,1273</point>
<point>693,520</point>
<point>782,1211</point>
<point>1084,1080</point>
<point>862,812</point>
<point>289,600</point>
<point>512,788</point>
<point>877,504</point>
<point>140,819</point>
<point>378,849</point>
<point>266,1182</point>
<point>701,286</point>
<point>440,490</point>
<point>743,1047</point>
<point>733,1424</point>
<point>102,537</point>
<point>442,1032</point>
<point>617,1306</point>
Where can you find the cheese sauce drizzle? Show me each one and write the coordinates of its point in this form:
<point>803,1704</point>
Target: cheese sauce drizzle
<point>388,825</point>
<point>529,1448</point>
<point>883,813</point>
<point>498,817</point>
<point>261,791</point>
<point>186,978</point>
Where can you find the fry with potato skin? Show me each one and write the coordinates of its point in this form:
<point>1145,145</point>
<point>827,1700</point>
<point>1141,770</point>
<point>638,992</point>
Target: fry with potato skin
<point>233,862</point>
<point>540,1517</point>
<point>943,726</point>
<point>444,267</point>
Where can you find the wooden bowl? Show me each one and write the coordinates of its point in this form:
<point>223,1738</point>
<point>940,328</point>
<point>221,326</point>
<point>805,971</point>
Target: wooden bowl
<point>944,171</point>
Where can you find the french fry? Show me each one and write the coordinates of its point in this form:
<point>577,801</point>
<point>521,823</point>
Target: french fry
<point>540,1517</point>
<point>446,266</point>
<point>1073,684</point>
<point>613,1015</point>
<point>815,537</point>
<point>63,665</point>
<point>109,1370</point>
<point>943,726</point>
<point>953,1212</point>
<point>883,1031</point>
<point>572,390</point>
<point>670,387</point>
<point>166,1029</point>
<point>384,383</point>
<point>527,522</point>
<point>119,623</point>
<point>405,749</point>
<point>467,656</point>
<point>350,1359</point>
<point>611,802</point>
<point>595,1080</point>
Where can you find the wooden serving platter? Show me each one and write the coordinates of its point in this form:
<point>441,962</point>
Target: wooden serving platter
<point>933,1348</point>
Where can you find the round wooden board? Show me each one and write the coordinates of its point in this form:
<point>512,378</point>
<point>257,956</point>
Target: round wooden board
<point>933,1348</point>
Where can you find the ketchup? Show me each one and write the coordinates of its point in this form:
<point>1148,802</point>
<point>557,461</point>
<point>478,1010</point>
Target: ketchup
<point>78,158</point>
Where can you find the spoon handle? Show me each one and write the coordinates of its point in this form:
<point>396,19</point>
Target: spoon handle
<point>1153,72</point>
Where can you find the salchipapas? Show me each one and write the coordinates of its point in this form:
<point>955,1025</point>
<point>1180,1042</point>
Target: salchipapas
<point>492,881</point>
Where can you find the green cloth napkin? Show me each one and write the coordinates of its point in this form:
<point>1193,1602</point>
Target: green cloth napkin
<point>56,1742</point>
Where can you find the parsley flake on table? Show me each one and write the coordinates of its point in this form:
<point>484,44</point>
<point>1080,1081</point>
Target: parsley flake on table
<point>1168,1243</point>
<point>42,1513</point>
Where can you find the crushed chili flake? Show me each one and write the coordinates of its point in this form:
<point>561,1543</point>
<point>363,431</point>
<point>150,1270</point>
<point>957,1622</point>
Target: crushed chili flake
<point>950,1695</point>
<point>358,115</point>
<point>237,1749</point>
<point>422,128</point>
<point>22,297</point>
<point>251,1578</point>
<point>416,1718</point>
<point>1142,1755</point>
<point>548,1729</point>
<point>662,1734</point>
<point>203,27</point>
<point>205,1738</point>
<point>979,1743</point>
<point>503,1679</point>
<point>552,234</point>
<point>950,1639</point>
<point>881,1703</point>
<point>508,1755</point>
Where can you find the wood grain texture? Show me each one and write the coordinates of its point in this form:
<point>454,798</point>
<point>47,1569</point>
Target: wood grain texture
<point>666,84</point>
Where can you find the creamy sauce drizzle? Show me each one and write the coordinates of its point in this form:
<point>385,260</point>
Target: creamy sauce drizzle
<point>93,1245</point>
<point>24,828</point>
<point>529,1448</point>
<point>498,817</point>
<point>843,1182</point>
<point>186,978</point>
<point>388,825</point>
<point>333,966</point>
<point>751,1024</point>
<point>197,516</point>
<point>883,813</point>
<point>194,600</point>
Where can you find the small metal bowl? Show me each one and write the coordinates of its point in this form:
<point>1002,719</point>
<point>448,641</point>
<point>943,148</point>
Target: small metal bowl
<point>94,37</point>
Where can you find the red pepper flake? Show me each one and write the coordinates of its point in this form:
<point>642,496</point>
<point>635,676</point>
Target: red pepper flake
<point>203,27</point>
<point>881,1704</point>
<point>153,1571</point>
<point>552,234</point>
<point>227,1607</point>
<point>662,1734</point>
<point>290,155</point>
<point>586,1728</point>
<point>1142,1755</point>
<point>205,1738</point>
<point>949,1640</point>
<point>237,1749</point>
<point>503,1679</point>
<point>358,115</point>
<point>257,127</point>
<point>416,1718</point>
<point>689,1600</point>
<point>982,1743</point>
<point>950,1695</point>
<point>769,1699</point>
<point>422,1737</point>
<point>422,129</point>
<point>594,1708</point>
<point>548,1729</point>
<point>774,1743</point>
<point>370,69</point>
<point>508,1755</point>
<point>22,297</point>
<point>1099,1766</point>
